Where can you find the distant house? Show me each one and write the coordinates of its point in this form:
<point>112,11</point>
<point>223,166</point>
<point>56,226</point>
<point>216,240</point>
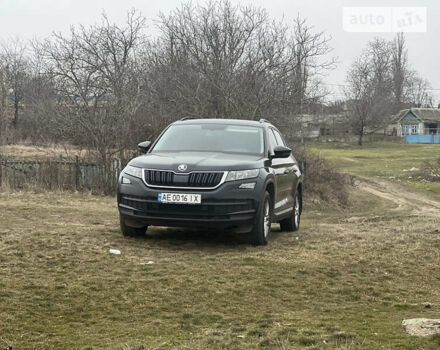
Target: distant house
<point>419,121</point>
<point>314,126</point>
<point>419,125</point>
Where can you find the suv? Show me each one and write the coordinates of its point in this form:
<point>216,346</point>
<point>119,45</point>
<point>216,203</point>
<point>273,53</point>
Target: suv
<point>221,173</point>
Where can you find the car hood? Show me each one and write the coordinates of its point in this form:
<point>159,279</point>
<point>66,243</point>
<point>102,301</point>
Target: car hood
<point>198,161</point>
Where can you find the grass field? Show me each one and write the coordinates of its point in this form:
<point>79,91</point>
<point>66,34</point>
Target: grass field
<point>32,152</point>
<point>346,280</point>
<point>387,160</point>
<point>26,151</point>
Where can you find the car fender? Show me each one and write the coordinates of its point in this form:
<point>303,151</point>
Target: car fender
<point>269,183</point>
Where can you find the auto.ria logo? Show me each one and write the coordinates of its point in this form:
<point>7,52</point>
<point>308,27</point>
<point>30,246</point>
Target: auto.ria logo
<point>182,167</point>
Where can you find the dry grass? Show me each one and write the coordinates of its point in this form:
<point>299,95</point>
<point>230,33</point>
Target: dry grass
<point>25,151</point>
<point>345,281</point>
<point>40,152</point>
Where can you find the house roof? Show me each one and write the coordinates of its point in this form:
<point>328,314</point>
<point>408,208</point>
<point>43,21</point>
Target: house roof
<point>424,114</point>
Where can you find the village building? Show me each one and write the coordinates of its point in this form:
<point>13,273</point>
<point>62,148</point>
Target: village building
<point>419,125</point>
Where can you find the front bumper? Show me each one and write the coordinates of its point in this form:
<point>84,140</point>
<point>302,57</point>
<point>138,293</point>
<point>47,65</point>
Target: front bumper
<point>224,207</point>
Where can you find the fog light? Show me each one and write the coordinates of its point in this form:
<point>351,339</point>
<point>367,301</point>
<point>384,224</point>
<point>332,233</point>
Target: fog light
<point>248,186</point>
<point>126,181</point>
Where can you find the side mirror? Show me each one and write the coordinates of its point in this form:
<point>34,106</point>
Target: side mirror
<point>144,146</point>
<point>281,152</point>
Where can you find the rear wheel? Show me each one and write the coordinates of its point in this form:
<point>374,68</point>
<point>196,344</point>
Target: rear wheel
<point>292,222</point>
<point>260,234</point>
<point>129,231</point>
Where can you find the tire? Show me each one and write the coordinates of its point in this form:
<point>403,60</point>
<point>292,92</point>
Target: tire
<point>128,231</point>
<point>293,221</point>
<point>260,233</point>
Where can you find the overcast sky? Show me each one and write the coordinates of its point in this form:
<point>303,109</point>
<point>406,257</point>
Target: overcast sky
<point>37,18</point>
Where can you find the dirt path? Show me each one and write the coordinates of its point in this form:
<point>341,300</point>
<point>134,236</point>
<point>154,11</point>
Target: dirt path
<point>398,194</point>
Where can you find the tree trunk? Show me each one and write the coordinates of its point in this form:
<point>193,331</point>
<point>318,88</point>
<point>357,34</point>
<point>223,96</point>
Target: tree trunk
<point>16,106</point>
<point>361,132</point>
<point>361,135</point>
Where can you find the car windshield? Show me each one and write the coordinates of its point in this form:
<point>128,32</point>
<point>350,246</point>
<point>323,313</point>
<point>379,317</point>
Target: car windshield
<point>212,138</point>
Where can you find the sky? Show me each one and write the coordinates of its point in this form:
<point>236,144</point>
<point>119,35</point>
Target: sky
<point>28,19</point>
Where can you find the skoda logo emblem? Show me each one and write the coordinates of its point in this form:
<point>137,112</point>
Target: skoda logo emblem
<point>182,167</point>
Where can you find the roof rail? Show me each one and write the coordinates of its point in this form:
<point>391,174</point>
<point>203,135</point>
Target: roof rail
<point>264,121</point>
<point>187,118</point>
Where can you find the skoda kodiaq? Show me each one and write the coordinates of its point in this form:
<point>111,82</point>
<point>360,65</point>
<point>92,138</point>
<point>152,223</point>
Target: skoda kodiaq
<point>221,173</point>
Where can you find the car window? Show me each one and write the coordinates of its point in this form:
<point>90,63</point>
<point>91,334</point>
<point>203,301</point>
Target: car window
<point>271,138</point>
<point>279,138</point>
<point>212,138</point>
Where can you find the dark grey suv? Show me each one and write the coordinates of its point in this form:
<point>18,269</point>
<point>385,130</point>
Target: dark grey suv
<point>221,173</point>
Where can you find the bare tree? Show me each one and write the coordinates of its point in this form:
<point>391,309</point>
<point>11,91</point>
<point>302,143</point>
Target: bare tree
<point>105,86</point>
<point>4,92</point>
<point>227,61</point>
<point>216,45</point>
<point>409,88</point>
<point>96,78</point>
<point>369,91</point>
<point>418,94</point>
<point>400,69</point>
<point>39,103</point>
<point>309,49</point>
<point>15,68</point>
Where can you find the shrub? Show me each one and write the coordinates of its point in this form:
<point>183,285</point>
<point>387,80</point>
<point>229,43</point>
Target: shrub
<point>431,171</point>
<point>322,181</point>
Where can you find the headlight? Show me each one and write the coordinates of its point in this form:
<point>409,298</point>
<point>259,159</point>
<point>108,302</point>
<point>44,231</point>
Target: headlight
<point>242,174</point>
<point>133,171</point>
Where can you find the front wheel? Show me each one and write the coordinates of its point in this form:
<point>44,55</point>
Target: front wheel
<point>260,234</point>
<point>292,222</point>
<point>129,231</point>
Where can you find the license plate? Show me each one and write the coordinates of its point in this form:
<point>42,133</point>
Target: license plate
<point>179,198</point>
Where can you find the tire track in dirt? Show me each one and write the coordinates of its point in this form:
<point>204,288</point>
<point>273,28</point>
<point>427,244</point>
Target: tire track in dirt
<point>398,194</point>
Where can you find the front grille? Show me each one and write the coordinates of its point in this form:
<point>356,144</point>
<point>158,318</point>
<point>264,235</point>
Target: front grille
<point>166,178</point>
<point>208,209</point>
<point>204,179</point>
<point>158,178</point>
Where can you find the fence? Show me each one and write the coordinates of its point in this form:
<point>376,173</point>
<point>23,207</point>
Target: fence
<point>60,174</point>
<point>428,138</point>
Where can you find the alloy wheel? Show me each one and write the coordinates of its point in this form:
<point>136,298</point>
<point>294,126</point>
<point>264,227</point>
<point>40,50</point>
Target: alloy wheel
<point>266,218</point>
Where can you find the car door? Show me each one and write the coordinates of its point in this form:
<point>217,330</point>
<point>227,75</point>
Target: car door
<point>280,169</point>
<point>287,169</point>
<point>277,169</point>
